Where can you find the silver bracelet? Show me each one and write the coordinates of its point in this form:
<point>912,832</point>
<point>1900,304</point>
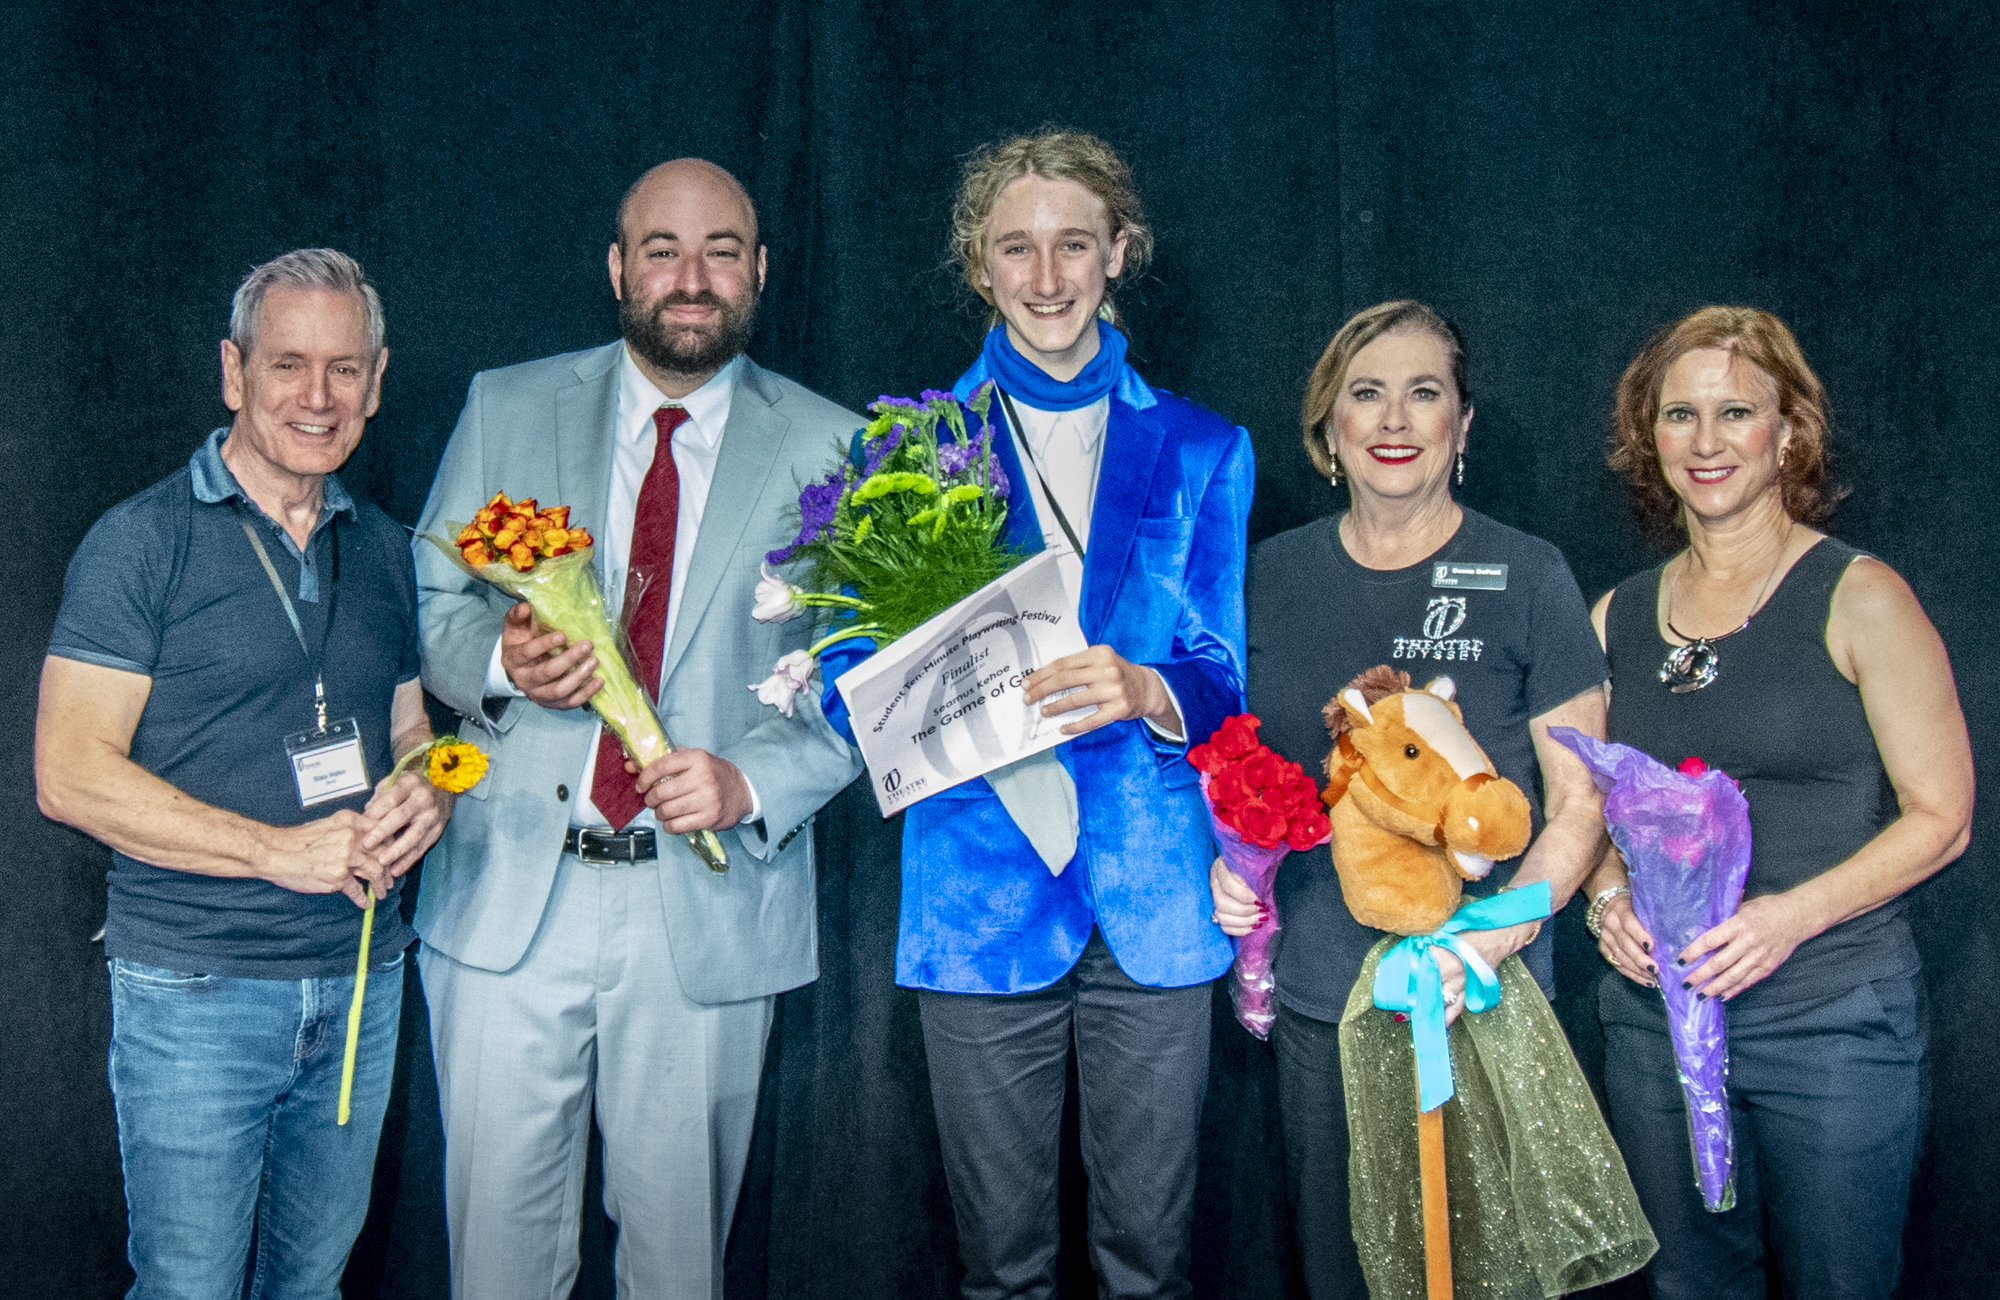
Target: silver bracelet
<point>1593,916</point>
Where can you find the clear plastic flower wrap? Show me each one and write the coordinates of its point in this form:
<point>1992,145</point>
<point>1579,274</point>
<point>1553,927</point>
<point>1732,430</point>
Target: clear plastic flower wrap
<point>564,592</point>
<point>1685,837</point>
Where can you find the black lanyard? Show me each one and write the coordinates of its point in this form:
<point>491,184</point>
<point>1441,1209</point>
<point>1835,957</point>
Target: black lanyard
<point>1021,441</point>
<point>314,659</point>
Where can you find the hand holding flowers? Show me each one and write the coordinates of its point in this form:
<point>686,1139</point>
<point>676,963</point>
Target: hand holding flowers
<point>534,555</point>
<point>450,765</point>
<point>544,665</point>
<point>405,816</point>
<point>1260,807</point>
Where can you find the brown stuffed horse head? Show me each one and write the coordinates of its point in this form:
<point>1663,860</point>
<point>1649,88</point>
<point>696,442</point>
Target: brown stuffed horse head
<point>1417,808</point>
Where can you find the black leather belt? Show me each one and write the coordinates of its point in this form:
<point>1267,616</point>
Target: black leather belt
<point>611,848</point>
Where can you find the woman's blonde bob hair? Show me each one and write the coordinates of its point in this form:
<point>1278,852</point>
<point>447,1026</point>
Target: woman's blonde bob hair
<point>1400,316</point>
<point>1060,155</point>
<point>1757,337</point>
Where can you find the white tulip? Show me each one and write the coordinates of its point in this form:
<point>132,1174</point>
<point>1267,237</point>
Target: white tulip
<point>788,677</point>
<point>777,600</point>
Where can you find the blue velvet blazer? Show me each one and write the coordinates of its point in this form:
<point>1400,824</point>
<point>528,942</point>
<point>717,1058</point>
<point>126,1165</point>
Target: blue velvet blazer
<point>1163,586</point>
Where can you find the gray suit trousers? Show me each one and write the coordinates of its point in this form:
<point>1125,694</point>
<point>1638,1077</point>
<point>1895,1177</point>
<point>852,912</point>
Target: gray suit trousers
<point>593,1016</point>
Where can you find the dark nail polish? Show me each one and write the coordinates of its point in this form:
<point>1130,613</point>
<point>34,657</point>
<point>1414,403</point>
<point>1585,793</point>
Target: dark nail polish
<point>1651,967</point>
<point>1647,946</point>
<point>1680,961</point>
<point>1687,984</point>
<point>1701,997</point>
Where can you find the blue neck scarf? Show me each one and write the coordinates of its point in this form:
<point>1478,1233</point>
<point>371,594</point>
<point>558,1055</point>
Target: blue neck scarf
<point>1028,382</point>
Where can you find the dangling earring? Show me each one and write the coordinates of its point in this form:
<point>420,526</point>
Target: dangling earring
<point>1333,475</point>
<point>1461,469</point>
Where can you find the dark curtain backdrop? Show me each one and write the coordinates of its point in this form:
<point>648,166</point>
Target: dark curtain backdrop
<point>1561,178</point>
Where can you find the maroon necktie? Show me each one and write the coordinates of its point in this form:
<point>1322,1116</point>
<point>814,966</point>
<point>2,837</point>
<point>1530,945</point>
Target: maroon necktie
<point>649,571</point>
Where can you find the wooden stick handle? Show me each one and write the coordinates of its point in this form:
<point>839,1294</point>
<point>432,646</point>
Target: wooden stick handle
<point>1437,1216</point>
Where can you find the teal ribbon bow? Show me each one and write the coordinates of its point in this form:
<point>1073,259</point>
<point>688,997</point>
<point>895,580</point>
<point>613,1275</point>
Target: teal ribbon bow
<point>1407,980</point>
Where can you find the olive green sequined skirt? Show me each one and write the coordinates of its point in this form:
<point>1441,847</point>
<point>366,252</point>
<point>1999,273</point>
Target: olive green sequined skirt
<point>1540,1201</point>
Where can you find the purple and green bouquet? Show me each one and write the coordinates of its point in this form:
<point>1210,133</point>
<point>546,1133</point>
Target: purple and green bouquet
<point>907,524</point>
<point>1685,837</point>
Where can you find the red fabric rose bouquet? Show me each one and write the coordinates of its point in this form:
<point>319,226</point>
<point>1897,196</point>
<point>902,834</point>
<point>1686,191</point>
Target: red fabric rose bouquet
<point>1261,807</point>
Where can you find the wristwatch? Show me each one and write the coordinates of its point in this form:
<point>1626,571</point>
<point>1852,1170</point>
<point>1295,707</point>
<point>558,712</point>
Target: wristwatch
<point>1593,916</point>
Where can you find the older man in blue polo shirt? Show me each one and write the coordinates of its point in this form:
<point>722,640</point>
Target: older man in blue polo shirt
<point>233,672</point>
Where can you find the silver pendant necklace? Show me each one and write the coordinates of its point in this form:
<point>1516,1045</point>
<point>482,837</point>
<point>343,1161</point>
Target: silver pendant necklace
<point>1697,664</point>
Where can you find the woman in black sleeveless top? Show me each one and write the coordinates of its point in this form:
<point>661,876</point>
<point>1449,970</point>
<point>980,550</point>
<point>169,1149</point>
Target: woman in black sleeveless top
<point>1809,673</point>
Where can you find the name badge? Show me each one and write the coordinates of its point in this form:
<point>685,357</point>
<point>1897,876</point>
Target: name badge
<point>1469,577</point>
<point>328,763</point>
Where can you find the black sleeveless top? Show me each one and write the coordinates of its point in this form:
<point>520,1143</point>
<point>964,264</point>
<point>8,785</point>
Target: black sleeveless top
<point>1780,719</point>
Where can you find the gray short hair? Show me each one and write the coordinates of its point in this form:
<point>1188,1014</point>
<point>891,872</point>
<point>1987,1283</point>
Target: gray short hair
<point>304,268</point>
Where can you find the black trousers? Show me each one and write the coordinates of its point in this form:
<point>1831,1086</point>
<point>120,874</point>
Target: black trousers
<point>1824,1100</point>
<point>998,1066</point>
<point>1312,1112</point>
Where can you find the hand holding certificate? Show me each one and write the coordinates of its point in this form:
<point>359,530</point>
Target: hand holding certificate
<point>945,703</point>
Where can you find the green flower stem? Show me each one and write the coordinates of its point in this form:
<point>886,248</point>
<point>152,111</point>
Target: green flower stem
<point>866,629</point>
<point>828,599</point>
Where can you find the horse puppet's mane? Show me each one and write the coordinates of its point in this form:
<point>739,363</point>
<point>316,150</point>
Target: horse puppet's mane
<point>1378,683</point>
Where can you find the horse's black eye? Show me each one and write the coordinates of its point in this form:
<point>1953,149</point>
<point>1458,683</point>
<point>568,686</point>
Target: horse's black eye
<point>1409,751</point>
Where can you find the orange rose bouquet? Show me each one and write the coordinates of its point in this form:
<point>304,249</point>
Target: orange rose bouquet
<point>534,555</point>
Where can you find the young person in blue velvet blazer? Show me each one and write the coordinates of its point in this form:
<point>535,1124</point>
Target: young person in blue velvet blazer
<point>1014,960</point>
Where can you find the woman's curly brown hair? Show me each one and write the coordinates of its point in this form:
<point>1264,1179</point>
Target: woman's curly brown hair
<point>1760,338</point>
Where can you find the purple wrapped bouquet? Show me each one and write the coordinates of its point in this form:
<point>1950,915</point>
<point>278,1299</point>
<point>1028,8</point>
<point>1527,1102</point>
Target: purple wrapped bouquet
<point>1685,837</point>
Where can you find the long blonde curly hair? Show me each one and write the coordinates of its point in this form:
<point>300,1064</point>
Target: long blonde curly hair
<point>1061,155</point>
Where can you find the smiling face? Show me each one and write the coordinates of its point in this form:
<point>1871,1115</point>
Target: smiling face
<point>687,270</point>
<point>1050,255</point>
<point>1397,424</point>
<point>305,390</point>
<point>1719,433</point>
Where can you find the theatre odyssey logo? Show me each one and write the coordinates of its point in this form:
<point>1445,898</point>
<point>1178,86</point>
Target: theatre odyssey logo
<point>1443,617</point>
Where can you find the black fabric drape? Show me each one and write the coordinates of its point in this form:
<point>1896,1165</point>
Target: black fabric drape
<point>1562,179</point>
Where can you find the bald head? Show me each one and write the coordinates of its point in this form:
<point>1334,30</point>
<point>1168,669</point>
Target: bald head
<point>687,269</point>
<point>686,185</point>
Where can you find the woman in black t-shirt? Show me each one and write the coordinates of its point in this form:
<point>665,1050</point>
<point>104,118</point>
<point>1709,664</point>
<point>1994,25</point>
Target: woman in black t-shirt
<point>1810,674</point>
<point>1409,578</point>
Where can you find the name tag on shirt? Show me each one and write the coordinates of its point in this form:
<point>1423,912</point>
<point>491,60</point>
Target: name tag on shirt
<point>328,764</point>
<point>1469,577</point>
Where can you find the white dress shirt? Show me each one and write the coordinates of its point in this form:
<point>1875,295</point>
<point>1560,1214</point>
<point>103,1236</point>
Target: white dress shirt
<point>1068,449</point>
<point>697,444</point>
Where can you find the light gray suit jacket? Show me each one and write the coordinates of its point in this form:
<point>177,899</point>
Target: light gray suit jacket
<point>544,429</point>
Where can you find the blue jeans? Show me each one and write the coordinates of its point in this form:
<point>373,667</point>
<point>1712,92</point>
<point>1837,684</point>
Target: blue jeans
<point>226,1091</point>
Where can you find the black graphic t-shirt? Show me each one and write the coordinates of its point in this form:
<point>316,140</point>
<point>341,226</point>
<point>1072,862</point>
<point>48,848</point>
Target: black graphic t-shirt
<point>1494,609</point>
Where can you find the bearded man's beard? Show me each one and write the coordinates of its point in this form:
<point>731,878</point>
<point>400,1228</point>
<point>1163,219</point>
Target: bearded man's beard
<point>687,349</point>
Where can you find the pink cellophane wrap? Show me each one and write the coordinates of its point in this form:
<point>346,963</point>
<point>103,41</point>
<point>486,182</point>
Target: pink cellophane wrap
<point>1250,981</point>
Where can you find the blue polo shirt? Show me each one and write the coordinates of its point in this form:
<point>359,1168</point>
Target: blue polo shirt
<point>166,585</point>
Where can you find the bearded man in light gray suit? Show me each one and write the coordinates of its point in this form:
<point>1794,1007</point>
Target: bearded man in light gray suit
<point>572,959</point>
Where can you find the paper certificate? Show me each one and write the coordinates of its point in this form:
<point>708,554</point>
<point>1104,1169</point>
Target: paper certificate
<point>942,704</point>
